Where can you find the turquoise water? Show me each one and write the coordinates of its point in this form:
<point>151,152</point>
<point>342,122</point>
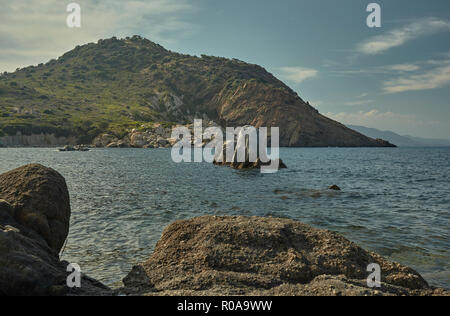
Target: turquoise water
<point>393,201</point>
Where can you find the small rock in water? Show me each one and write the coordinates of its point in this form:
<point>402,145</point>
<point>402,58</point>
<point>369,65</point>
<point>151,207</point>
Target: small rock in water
<point>335,188</point>
<point>244,146</point>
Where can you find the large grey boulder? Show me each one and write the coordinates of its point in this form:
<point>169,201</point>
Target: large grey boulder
<point>264,256</point>
<point>40,201</point>
<point>103,140</point>
<point>34,223</point>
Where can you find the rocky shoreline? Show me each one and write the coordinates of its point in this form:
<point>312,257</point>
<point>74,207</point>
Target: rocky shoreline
<point>146,136</point>
<point>150,136</point>
<point>207,255</point>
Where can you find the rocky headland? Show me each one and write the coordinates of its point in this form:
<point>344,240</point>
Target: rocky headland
<point>116,85</point>
<point>201,256</point>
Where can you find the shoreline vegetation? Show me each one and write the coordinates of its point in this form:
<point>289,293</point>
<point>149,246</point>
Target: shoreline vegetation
<point>207,255</point>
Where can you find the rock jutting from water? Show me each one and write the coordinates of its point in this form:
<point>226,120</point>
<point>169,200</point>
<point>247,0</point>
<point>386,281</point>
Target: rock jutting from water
<point>264,256</point>
<point>34,224</point>
<point>334,187</point>
<point>242,147</point>
<point>75,148</point>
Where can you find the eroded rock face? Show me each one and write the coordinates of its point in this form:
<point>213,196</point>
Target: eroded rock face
<point>264,256</point>
<point>103,140</point>
<point>260,104</point>
<point>40,200</point>
<point>34,223</point>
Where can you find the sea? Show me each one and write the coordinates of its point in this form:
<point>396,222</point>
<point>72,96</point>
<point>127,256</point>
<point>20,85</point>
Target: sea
<point>393,201</point>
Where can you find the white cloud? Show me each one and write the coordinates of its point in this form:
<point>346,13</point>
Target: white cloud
<point>316,103</point>
<point>431,79</point>
<point>362,117</point>
<point>359,102</point>
<point>403,67</point>
<point>398,122</point>
<point>397,37</point>
<point>422,75</point>
<point>36,31</point>
<point>378,70</point>
<point>298,74</point>
<point>436,62</point>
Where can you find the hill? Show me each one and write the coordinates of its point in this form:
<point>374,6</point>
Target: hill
<point>117,85</point>
<point>399,140</point>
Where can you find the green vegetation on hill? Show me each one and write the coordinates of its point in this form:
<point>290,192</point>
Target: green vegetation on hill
<point>115,85</point>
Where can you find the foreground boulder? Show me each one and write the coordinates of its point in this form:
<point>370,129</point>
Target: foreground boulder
<point>34,224</point>
<point>264,256</point>
<point>40,200</point>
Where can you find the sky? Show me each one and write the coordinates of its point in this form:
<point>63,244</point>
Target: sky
<point>396,77</point>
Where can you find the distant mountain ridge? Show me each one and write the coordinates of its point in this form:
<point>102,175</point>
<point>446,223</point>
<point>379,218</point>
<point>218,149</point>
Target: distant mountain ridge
<point>399,140</point>
<point>117,85</point>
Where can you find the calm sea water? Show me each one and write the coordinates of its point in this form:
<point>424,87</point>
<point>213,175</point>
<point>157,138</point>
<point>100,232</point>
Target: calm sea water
<point>393,201</point>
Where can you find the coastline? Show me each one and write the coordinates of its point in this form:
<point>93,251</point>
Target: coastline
<point>146,136</point>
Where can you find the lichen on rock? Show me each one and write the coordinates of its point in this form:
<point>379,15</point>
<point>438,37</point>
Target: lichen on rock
<point>264,256</point>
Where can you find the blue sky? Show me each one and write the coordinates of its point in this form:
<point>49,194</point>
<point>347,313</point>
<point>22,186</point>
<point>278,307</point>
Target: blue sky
<point>396,77</point>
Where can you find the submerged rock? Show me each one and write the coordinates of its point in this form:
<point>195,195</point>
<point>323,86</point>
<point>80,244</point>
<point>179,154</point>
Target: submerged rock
<point>34,223</point>
<point>335,188</point>
<point>264,256</point>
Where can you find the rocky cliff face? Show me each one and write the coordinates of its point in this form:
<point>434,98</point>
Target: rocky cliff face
<point>259,104</point>
<point>116,85</point>
<point>264,256</point>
